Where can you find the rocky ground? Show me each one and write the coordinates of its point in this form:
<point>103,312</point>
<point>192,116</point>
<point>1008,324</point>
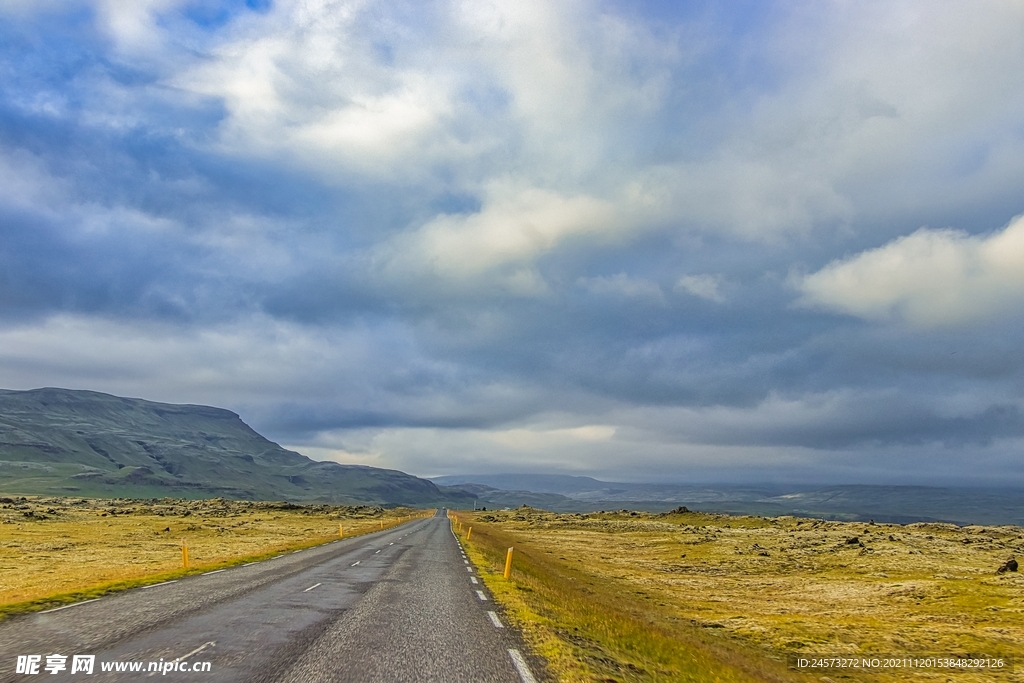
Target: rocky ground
<point>806,587</point>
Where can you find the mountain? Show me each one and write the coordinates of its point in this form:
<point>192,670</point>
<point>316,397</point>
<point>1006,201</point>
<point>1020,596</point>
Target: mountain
<point>67,442</point>
<point>497,498</point>
<point>894,504</point>
<point>539,483</point>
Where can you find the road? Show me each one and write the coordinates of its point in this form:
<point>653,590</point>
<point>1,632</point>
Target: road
<point>398,605</point>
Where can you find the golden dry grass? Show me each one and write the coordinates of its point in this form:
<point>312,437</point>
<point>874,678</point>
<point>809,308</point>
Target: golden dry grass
<point>51,547</point>
<point>755,591</point>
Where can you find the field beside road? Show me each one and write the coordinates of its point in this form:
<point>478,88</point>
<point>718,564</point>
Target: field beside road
<point>698,597</point>
<point>57,550</point>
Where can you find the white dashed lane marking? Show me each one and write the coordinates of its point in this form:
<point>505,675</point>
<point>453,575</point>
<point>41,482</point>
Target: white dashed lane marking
<point>473,580</point>
<point>312,587</point>
<point>520,664</point>
<point>196,651</point>
<point>495,620</point>
<point>154,585</point>
<point>480,594</point>
<point>469,569</point>
<point>356,562</point>
<point>215,571</point>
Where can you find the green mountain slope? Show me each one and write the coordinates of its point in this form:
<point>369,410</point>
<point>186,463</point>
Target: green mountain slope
<point>60,442</point>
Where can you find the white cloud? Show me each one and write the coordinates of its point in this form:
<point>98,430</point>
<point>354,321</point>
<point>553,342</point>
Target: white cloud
<point>306,82</point>
<point>624,286</point>
<point>704,286</point>
<point>515,226</point>
<point>930,278</point>
<point>134,24</point>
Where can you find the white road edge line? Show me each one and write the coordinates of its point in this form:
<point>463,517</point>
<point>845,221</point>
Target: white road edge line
<point>480,594</point>
<point>312,587</point>
<point>520,664</point>
<point>154,585</point>
<point>356,562</point>
<point>45,611</point>
<point>469,569</point>
<point>248,564</point>
<point>473,580</point>
<point>495,620</point>
<point>196,651</point>
<point>215,571</point>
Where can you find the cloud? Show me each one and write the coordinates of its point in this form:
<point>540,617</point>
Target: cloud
<point>624,287</point>
<point>451,235</point>
<point>931,278</point>
<point>134,26</point>
<point>514,226</point>
<point>703,286</point>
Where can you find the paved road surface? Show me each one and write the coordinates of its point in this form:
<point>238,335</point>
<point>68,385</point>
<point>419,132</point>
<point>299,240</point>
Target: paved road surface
<point>394,606</point>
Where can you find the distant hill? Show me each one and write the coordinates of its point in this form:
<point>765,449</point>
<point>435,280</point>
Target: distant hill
<point>66,442</point>
<point>497,498</point>
<point>539,483</point>
<point>895,504</point>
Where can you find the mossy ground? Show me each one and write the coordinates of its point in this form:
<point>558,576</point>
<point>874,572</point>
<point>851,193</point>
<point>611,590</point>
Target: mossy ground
<point>56,550</point>
<point>745,593</point>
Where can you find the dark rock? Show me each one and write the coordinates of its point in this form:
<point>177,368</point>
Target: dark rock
<point>1009,566</point>
<point>853,541</point>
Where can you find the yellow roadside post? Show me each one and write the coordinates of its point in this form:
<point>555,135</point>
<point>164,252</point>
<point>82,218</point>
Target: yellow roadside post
<point>382,524</point>
<point>341,531</point>
<point>508,564</point>
<point>184,554</point>
<point>470,533</point>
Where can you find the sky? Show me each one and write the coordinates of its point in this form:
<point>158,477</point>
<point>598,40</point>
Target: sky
<point>645,241</point>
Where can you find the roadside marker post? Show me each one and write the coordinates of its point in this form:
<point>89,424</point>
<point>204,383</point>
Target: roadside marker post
<point>508,564</point>
<point>470,533</point>
<point>184,554</point>
<point>341,531</point>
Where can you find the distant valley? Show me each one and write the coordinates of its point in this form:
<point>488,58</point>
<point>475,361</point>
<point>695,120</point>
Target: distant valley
<point>893,504</point>
<point>67,442</point>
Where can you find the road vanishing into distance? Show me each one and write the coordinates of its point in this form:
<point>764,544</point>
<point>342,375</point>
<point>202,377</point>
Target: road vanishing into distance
<point>398,605</point>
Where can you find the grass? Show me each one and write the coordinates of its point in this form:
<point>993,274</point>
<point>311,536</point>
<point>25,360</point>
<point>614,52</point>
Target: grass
<point>58,550</point>
<point>692,597</point>
<point>589,629</point>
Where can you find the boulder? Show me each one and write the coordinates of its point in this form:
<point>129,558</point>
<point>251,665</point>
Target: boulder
<point>1009,566</point>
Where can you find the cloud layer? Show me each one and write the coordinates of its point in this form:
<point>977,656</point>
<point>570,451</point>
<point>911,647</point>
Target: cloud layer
<point>708,241</point>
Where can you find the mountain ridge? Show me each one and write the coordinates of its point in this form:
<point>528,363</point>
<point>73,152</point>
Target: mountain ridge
<point>80,442</point>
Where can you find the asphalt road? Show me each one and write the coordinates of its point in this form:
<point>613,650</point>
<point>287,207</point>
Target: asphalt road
<point>394,606</point>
